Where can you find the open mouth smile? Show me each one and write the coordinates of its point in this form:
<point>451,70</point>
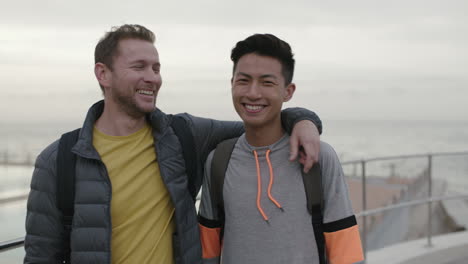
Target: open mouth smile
<point>146,92</point>
<point>253,108</point>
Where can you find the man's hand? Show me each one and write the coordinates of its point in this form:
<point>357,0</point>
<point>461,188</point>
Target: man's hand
<point>305,143</point>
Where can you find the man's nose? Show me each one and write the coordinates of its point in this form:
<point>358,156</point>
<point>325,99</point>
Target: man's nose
<point>151,76</point>
<point>254,91</point>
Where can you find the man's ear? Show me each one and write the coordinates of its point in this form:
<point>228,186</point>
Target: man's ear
<point>103,74</point>
<point>288,92</point>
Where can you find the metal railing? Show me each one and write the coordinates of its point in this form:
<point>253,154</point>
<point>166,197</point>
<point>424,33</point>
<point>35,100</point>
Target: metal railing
<point>11,244</point>
<point>365,212</point>
<point>14,198</point>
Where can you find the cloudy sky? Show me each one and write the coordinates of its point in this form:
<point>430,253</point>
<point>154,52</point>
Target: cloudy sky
<point>361,59</point>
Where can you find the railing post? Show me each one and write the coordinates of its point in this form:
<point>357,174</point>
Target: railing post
<point>392,170</point>
<point>364,208</point>
<point>429,204</point>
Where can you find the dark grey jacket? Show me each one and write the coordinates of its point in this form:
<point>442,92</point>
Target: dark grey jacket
<point>91,227</point>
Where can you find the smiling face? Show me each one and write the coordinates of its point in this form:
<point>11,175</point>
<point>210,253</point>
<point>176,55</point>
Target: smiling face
<point>259,90</point>
<point>135,80</point>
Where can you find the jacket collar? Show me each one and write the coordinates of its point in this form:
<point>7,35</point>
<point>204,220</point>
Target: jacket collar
<point>84,146</point>
<point>159,121</point>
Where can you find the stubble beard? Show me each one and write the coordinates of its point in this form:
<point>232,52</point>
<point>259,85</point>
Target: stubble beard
<point>128,105</point>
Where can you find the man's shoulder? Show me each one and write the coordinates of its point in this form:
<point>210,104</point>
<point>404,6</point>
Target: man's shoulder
<point>49,153</point>
<point>45,167</point>
<point>327,152</point>
<point>48,156</point>
<point>329,161</point>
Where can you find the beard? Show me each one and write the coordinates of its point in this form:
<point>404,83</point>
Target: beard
<point>129,106</point>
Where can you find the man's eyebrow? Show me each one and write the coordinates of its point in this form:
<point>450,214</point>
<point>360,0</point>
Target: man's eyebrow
<point>158,64</point>
<point>269,76</point>
<point>138,61</point>
<point>244,74</point>
<point>261,76</point>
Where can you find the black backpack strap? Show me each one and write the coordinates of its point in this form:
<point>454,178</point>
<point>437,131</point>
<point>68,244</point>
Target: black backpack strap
<point>182,131</point>
<point>219,164</point>
<point>66,163</point>
<point>313,189</point>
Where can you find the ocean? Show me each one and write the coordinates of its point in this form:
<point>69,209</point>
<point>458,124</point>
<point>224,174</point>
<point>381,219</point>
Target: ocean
<point>352,140</point>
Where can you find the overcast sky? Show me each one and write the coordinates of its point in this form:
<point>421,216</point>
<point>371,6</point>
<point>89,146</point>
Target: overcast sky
<point>372,59</point>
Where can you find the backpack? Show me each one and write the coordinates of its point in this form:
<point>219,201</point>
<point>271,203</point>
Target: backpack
<point>66,164</point>
<point>312,184</point>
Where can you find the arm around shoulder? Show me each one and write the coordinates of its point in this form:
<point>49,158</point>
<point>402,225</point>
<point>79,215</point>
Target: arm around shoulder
<point>303,135</point>
<point>207,133</point>
<point>290,116</point>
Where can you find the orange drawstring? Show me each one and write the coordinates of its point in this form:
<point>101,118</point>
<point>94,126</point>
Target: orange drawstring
<point>259,185</point>
<point>271,181</point>
<point>259,188</point>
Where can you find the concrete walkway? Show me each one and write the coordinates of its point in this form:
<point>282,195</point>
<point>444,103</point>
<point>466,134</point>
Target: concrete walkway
<point>446,249</point>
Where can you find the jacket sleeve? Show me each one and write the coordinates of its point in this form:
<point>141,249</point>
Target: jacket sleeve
<point>44,228</point>
<point>341,232</point>
<point>290,116</point>
<point>207,133</point>
<point>211,227</point>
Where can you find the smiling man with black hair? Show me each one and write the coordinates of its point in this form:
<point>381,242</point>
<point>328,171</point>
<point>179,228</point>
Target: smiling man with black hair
<point>256,207</point>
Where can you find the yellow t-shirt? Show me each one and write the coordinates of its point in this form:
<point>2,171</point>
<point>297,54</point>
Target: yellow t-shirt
<point>141,208</point>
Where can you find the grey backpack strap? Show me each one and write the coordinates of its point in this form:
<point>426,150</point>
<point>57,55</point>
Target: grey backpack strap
<point>219,165</point>
<point>313,189</point>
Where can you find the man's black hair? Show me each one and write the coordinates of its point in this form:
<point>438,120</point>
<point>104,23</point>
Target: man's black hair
<point>266,45</point>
